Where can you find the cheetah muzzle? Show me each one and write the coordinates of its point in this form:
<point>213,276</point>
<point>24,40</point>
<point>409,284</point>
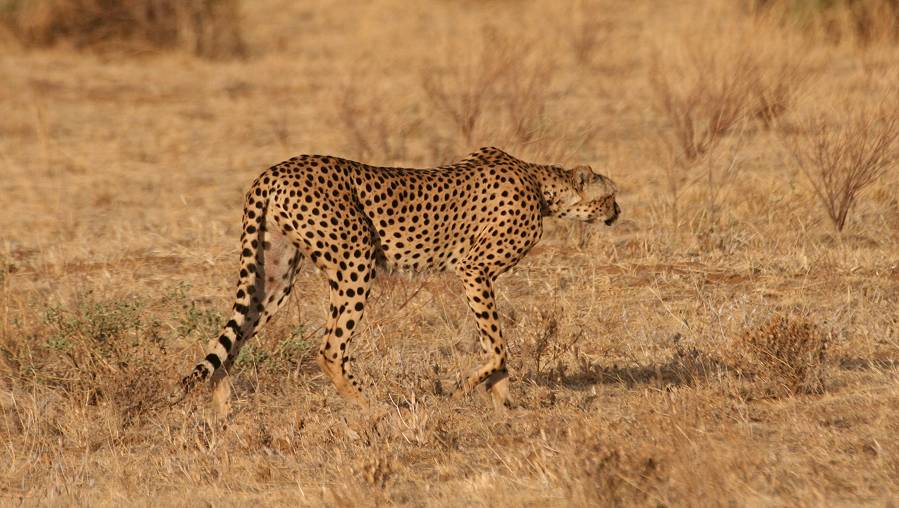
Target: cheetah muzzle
<point>615,213</point>
<point>477,217</point>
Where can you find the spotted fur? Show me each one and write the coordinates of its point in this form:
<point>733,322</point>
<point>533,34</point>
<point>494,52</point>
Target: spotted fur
<point>477,217</point>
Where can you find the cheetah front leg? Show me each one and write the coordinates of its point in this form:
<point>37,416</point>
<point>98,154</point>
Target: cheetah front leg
<point>494,374</point>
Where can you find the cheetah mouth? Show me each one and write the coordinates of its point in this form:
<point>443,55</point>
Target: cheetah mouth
<point>616,212</point>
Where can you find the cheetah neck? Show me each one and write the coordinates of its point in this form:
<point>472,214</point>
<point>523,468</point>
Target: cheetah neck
<point>556,187</point>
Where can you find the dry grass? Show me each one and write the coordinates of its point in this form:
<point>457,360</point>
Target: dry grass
<point>646,368</point>
<point>842,160</point>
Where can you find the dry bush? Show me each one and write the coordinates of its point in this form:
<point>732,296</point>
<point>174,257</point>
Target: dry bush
<point>372,128</point>
<point>703,99</point>
<point>614,465</point>
<point>841,160</point>
<point>498,90</point>
<point>207,28</point>
<point>785,356</point>
<point>706,96</point>
<point>462,92</point>
<point>774,87</point>
<point>704,106</point>
<point>524,95</point>
<point>507,80</point>
<point>551,341</point>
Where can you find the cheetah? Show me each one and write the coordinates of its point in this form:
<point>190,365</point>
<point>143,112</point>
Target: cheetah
<point>477,217</point>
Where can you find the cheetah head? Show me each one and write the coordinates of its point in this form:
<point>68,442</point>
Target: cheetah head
<point>592,197</point>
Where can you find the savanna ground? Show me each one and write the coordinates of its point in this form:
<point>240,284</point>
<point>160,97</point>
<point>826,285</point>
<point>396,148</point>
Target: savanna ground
<point>646,366</point>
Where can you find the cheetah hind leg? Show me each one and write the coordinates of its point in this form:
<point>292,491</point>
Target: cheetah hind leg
<point>496,384</point>
<point>346,309</point>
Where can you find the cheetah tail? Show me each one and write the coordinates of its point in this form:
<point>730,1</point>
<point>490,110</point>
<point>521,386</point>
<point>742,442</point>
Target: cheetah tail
<point>219,350</point>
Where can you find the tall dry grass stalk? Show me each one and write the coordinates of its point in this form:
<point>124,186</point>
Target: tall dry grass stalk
<point>842,159</point>
<point>705,102</point>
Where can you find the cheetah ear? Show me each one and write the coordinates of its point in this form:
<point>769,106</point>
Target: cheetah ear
<point>582,174</point>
